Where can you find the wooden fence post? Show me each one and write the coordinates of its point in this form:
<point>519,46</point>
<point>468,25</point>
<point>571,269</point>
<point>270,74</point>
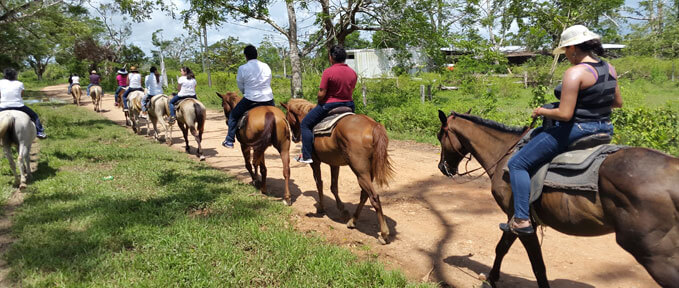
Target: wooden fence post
<point>429,92</point>
<point>365,99</point>
<point>672,71</point>
<point>422,93</point>
<point>525,79</point>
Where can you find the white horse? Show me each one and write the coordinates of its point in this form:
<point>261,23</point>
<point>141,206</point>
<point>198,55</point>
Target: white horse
<point>158,109</point>
<point>134,105</point>
<point>18,129</point>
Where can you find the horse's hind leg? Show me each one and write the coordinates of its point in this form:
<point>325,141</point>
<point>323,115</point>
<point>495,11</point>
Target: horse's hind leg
<point>246,155</point>
<point>532,245</point>
<point>501,250</point>
<point>8,154</point>
<point>259,159</point>
<point>359,208</point>
<point>316,167</point>
<point>185,133</point>
<point>199,138</point>
<point>334,172</point>
<point>285,158</point>
<point>25,164</point>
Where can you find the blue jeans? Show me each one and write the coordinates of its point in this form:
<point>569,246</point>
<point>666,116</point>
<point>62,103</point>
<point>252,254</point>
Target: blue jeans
<point>144,101</point>
<point>238,111</point>
<point>88,88</point>
<point>31,113</point>
<point>545,145</point>
<point>128,91</point>
<point>174,101</point>
<point>310,120</point>
<point>118,91</point>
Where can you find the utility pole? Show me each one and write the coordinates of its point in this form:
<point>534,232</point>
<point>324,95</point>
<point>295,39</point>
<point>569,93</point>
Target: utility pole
<point>206,63</point>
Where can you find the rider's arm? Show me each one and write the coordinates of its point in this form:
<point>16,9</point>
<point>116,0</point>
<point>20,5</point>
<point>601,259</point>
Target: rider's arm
<point>321,95</point>
<point>323,87</point>
<point>569,96</point>
<point>240,80</point>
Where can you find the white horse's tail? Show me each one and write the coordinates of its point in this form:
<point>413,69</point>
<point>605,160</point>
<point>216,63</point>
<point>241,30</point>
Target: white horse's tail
<point>5,124</point>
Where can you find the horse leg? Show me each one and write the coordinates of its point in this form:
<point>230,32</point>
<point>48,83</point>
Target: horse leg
<point>8,154</point>
<point>285,157</point>
<point>316,167</point>
<point>532,245</point>
<point>359,208</point>
<point>501,250</point>
<point>185,133</point>
<point>262,168</point>
<point>246,155</point>
<point>366,184</point>
<point>24,164</point>
<point>199,138</point>
<point>334,172</point>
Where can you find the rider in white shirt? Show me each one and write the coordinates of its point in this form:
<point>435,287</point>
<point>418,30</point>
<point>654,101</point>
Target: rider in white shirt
<point>134,79</point>
<point>11,98</point>
<point>73,80</point>
<point>154,85</point>
<point>187,89</point>
<point>254,81</point>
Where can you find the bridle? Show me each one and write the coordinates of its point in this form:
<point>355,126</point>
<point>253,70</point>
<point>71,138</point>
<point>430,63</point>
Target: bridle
<point>468,156</point>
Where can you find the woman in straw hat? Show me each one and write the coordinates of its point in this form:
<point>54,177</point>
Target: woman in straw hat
<point>587,95</point>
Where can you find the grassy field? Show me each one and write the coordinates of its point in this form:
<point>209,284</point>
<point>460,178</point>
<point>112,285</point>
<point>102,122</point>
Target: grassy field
<point>164,220</point>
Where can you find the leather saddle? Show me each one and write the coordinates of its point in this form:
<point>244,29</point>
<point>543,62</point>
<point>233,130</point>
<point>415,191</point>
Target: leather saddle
<point>328,123</point>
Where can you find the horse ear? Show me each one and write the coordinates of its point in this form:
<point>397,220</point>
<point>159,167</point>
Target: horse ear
<point>284,105</point>
<point>219,95</point>
<point>443,118</point>
<point>469,111</point>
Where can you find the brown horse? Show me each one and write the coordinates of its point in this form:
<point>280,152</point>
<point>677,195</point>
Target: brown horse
<point>191,115</point>
<point>357,141</point>
<point>76,92</point>
<point>265,126</point>
<point>638,198</point>
<point>96,93</point>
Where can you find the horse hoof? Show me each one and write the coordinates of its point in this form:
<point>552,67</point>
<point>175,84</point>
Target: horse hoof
<point>352,224</point>
<point>382,240</point>
<point>202,158</point>
<point>287,202</point>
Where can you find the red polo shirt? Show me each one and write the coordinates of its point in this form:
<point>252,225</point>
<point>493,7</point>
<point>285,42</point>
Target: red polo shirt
<point>338,81</point>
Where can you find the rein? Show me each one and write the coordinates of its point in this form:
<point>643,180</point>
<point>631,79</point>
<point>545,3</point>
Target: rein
<point>468,157</point>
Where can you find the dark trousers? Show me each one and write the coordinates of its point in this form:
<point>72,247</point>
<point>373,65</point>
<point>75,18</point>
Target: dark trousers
<point>545,145</point>
<point>129,90</point>
<point>310,120</point>
<point>31,113</point>
<point>118,91</point>
<point>238,111</point>
<point>175,99</point>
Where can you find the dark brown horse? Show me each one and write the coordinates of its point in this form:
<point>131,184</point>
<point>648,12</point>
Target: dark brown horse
<point>357,141</point>
<point>265,126</point>
<point>638,198</point>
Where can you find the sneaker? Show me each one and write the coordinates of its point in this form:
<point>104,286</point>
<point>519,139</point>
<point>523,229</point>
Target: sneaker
<point>227,144</point>
<point>171,120</point>
<point>41,135</point>
<point>143,115</point>
<point>301,159</point>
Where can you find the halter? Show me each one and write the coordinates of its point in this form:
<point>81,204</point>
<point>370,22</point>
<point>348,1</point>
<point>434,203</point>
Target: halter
<point>469,157</point>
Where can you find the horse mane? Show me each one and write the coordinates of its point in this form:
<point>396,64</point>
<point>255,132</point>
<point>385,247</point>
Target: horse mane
<point>490,123</point>
<point>301,105</point>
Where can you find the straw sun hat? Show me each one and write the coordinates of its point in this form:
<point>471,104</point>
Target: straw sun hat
<point>574,35</point>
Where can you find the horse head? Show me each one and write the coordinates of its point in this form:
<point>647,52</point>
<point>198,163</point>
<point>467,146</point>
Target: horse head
<point>452,150</point>
<point>229,101</point>
<point>296,109</point>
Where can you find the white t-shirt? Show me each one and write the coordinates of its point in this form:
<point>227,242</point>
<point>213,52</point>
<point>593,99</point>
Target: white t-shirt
<point>10,93</point>
<point>76,80</point>
<point>254,81</point>
<point>188,87</point>
<point>135,80</point>
<point>154,87</point>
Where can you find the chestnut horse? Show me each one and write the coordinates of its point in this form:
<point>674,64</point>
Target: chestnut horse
<point>638,198</point>
<point>357,141</point>
<point>265,126</point>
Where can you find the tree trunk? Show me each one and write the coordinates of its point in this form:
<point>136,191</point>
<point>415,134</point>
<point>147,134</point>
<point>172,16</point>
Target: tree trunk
<point>327,24</point>
<point>206,62</point>
<point>295,61</point>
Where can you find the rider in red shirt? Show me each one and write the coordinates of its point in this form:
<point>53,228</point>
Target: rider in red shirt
<point>336,89</point>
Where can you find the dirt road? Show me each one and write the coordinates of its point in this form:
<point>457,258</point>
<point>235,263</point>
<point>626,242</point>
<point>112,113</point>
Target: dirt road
<point>443,231</point>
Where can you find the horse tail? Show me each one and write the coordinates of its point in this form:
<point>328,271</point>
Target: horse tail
<point>382,169</point>
<point>268,135</point>
<point>200,120</point>
<point>5,124</point>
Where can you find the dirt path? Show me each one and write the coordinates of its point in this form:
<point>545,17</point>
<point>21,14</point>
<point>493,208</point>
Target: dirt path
<point>444,231</point>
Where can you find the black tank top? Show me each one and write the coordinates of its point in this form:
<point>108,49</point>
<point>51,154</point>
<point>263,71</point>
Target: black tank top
<point>594,103</point>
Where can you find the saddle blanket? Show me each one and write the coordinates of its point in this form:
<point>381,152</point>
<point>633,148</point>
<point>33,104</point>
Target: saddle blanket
<point>572,170</point>
<point>328,123</point>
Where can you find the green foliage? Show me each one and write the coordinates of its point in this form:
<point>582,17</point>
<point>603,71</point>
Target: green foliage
<point>164,220</point>
<point>648,127</point>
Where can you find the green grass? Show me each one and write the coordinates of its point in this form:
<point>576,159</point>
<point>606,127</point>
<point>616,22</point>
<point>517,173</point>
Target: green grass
<point>164,220</point>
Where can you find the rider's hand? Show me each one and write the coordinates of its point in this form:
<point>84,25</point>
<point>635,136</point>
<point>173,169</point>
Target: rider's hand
<point>536,112</point>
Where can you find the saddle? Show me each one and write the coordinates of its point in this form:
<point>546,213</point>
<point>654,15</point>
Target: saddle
<point>576,169</point>
<point>328,123</point>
